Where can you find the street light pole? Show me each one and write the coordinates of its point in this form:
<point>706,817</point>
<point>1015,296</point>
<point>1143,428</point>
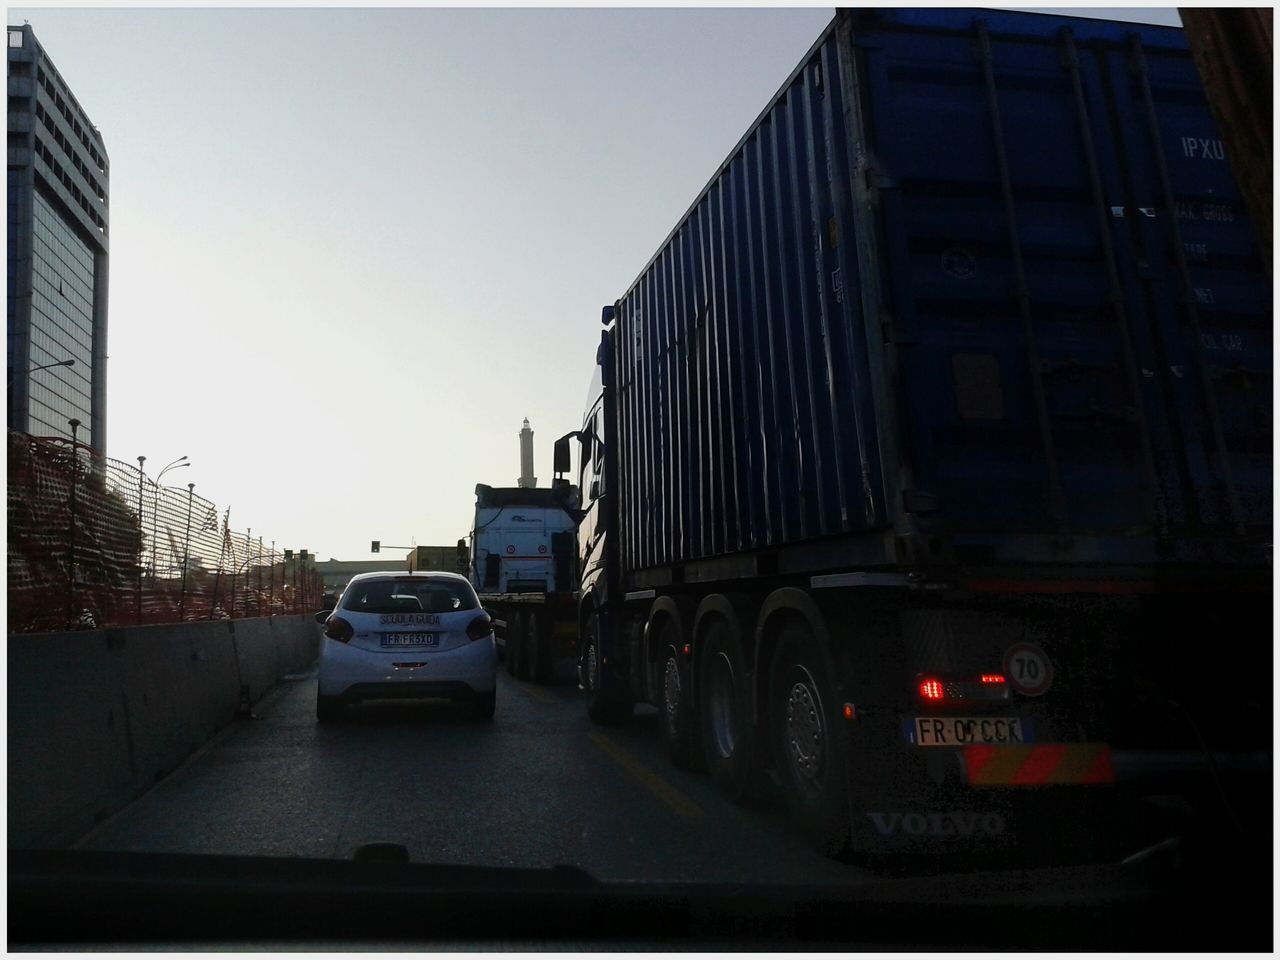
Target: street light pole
<point>155,509</point>
<point>186,555</point>
<point>258,606</point>
<point>43,366</point>
<point>12,376</point>
<point>141,544</point>
<point>235,571</point>
<point>47,366</point>
<point>71,537</point>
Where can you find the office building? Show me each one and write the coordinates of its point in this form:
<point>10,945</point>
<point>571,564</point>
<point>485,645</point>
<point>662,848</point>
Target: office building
<point>58,241</point>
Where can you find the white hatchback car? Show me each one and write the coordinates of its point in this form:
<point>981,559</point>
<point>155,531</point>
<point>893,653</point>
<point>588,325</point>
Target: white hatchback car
<point>407,635</point>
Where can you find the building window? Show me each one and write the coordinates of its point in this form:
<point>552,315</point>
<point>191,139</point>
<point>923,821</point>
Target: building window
<point>15,38</point>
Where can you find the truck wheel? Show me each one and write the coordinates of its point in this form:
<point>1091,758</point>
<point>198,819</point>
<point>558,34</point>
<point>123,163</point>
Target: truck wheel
<point>539,648</point>
<point>724,711</point>
<point>509,645</point>
<point>604,707</point>
<point>521,646</point>
<point>675,716</point>
<point>809,747</point>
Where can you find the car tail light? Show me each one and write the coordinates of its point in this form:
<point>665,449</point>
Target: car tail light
<point>338,629</point>
<point>480,627</point>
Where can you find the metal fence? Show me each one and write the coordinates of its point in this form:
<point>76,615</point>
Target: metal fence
<point>95,542</point>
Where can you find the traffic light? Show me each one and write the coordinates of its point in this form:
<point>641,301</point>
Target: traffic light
<point>376,547</point>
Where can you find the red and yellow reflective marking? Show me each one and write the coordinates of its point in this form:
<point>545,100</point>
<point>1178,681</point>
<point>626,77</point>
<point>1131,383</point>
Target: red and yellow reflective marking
<point>1036,765</point>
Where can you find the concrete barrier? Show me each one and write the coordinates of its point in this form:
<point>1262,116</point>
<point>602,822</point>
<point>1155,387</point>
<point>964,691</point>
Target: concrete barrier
<point>298,640</point>
<point>69,742</point>
<point>180,686</point>
<point>96,717</point>
<point>258,658</point>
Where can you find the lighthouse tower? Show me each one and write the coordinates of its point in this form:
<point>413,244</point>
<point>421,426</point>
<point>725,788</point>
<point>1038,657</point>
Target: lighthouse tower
<point>527,479</point>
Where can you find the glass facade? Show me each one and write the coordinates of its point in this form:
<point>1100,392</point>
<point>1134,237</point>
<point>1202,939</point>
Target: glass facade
<point>62,280</point>
<point>57,260</point>
<point>13,238</point>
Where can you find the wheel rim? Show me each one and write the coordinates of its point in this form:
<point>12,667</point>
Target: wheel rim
<point>671,693</point>
<point>723,706</point>
<point>593,668</point>
<point>806,734</point>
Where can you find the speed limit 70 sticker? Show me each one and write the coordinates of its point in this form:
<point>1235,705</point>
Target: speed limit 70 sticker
<point>1028,669</point>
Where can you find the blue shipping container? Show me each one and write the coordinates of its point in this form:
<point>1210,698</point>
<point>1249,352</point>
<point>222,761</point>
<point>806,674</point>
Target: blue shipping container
<point>977,286</point>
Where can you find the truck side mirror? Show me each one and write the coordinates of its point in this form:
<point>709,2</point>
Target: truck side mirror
<point>562,459</point>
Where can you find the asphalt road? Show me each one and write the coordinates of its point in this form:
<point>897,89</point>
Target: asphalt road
<point>537,786</point>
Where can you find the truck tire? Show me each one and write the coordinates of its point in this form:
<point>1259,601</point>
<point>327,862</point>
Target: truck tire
<point>512,640</point>
<point>509,644</point>
<point>676,718</point>
<point>328,708</point>
<point>724,711</point>
<point>521,645</point>
<point>809,746</point>
<point>538,645</point>
<point>606,707</point>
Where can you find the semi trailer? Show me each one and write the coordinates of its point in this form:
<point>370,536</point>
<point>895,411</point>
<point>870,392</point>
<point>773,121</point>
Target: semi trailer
<point>927,477</point>
<point>520,560</point>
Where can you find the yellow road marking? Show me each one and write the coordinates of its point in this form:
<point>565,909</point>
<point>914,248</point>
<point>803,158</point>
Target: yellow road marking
<point>668,794</point>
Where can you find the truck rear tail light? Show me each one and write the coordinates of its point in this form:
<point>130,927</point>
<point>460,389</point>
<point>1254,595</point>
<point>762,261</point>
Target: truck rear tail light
<point>480,627</point>
<point>335,628</point>
<point>931,690</point>
<point>959,688</point>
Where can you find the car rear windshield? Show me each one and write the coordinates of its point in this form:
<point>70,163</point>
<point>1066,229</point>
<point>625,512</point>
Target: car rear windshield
<point>409,596</point>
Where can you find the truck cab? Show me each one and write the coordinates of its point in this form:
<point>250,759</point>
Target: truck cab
<point>590,476</point>
<point>521,541</point>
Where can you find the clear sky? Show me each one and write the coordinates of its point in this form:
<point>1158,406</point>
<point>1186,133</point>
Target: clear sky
<point>352,249</point>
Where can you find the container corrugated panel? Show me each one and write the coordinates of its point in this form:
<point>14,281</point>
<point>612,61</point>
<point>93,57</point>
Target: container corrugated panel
<point>990,263</point>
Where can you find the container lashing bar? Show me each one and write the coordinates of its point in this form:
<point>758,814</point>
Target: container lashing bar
<point>1057,502</point>
<point>1114,287</point>
<point>1138,62</point>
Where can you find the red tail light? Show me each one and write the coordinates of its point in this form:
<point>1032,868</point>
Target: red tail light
<point>931,689</point>
<point>949,689</point>
<point>338,629</point>
<point>480,627</point>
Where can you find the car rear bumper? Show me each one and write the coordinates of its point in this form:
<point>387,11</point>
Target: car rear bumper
<point>408,690</point>
<point>352,673</point>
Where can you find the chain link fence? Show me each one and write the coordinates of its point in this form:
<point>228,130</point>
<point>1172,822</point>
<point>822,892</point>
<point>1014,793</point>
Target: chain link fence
<point>94,542</point>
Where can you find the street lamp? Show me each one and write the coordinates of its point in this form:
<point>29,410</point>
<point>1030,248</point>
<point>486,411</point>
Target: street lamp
<point>71,539</point>
<point>240,568</point>
<point>186,554</point>
<point>47,366</point>
<point>141,476</point>
<point>9,381</point>
<point>173,466</point>
<point>155,506</point>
